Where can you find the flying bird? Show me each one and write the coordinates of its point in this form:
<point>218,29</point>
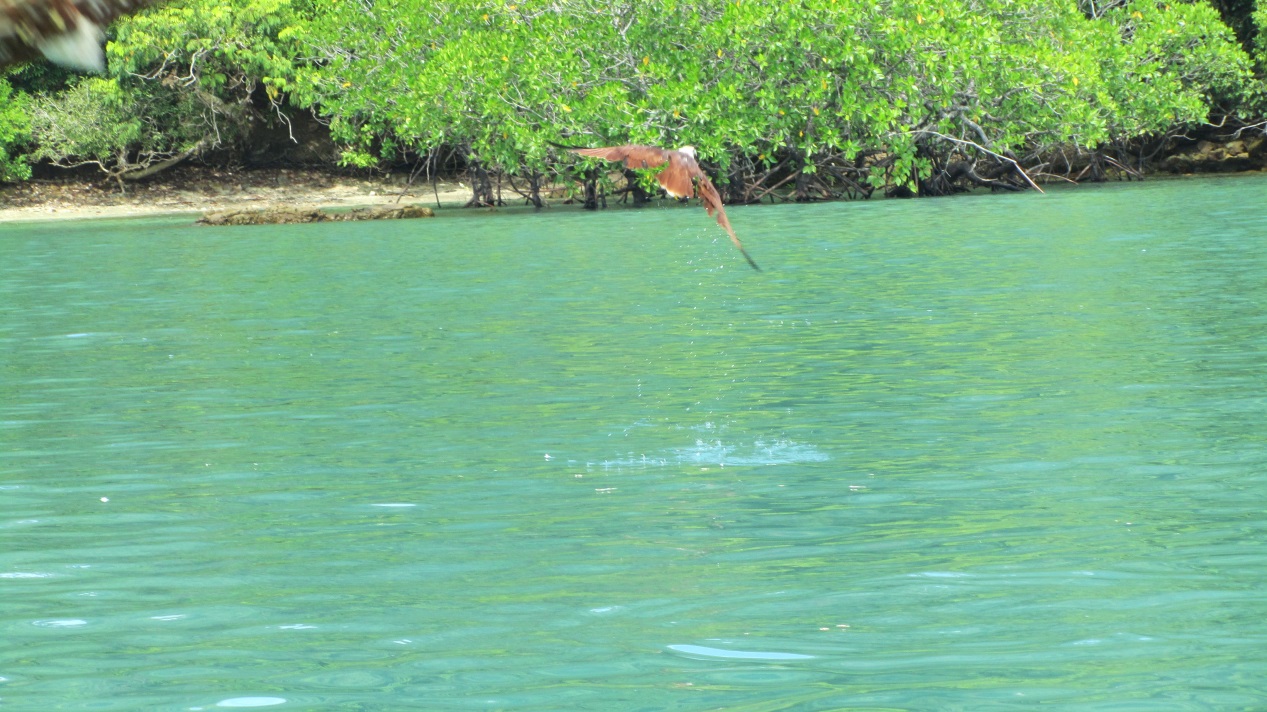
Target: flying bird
<point>68,32</point>
<point>682,178</point>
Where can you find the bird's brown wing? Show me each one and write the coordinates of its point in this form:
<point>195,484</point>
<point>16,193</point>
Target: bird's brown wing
<point>633,156</point>
<point>711,199</point>
<point>26,23</point>
<point>678,177</point>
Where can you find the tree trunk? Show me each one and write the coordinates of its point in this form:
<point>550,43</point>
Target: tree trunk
<point>593,197</point>
<point>534,189</point>
<point>802,182</point>
<point>636,191</point>
<point>163,165</point>
<point>481,186</point>
<point>735,184</point>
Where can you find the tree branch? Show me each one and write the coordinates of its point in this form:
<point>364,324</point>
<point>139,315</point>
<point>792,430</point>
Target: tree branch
<point>979,147</point>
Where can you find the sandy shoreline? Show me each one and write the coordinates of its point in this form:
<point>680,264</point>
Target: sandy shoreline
<point>194,191</point>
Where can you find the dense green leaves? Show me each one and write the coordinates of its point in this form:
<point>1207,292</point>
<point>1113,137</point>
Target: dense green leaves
<point>13,130</point>
<point>818,83</point>
<point>863,93</point>
<point>182,78</point>
<point>1260,42</point>
<point>120,130</point>
<point>220,50</point>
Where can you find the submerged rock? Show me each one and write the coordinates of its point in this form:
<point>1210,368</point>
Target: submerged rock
<point>382,212</point>
<point>286,215</point>
<point>260,216</point>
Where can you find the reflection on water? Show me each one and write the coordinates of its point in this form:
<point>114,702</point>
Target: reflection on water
<point>251,702</point>
<point>952,454</point>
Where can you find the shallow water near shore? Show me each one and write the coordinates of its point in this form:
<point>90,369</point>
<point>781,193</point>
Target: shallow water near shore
<point>975,453</point>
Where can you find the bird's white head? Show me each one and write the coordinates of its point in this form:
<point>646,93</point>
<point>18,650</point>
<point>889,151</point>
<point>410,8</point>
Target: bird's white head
<point>688,150</point>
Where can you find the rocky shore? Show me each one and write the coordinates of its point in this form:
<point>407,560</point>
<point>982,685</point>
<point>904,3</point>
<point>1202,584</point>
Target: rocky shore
<point>1234,156</point>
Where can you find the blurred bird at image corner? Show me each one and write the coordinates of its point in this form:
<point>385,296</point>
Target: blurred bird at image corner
<point>67,32</point>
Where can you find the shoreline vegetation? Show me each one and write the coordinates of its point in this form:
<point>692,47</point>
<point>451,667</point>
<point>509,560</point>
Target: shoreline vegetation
<point>198,190</point>
<point>209,104</point>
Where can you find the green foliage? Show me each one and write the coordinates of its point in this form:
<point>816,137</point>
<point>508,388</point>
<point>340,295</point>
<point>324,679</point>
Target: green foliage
<point>91,120</point>
<point>880,93</point>
<point>40,77</point>
<point>1185,54</point>
<point>97,122</point>
<point>1239,16</point>
<point>14,126</point>
<point>221,50</point>
<point>182,77</point>
<point>810,81</point>
<point>1260,42</point>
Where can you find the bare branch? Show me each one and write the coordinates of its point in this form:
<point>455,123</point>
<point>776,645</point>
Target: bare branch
<point>979,147</point>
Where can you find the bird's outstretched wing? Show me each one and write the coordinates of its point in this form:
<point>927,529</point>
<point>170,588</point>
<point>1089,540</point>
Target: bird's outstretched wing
<point>676,178</point>
<point>711,199</point>
<point>632,156</point>
<point>68,32</point>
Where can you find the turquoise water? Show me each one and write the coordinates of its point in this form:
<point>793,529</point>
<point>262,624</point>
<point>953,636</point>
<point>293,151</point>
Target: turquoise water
<point>978,453</point>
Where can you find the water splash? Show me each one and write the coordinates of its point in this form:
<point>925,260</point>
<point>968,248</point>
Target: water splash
<point>715,453</point>
<point>702,651</point>
<point>778,452</point>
